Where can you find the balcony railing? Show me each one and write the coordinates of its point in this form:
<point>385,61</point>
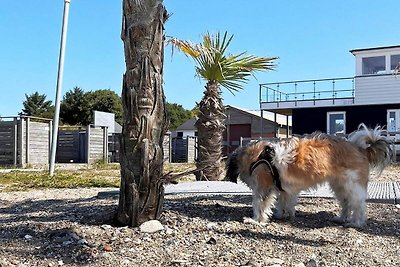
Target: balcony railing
<point>322,89</point>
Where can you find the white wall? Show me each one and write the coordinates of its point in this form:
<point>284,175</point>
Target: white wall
<point>185,133</point>
<point>377,89</point>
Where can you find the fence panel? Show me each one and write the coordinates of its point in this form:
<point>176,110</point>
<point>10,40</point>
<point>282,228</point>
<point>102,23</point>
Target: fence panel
<point>97,151</point>
<point>68,147</point>
<point>7,142</point>
<point>39,142</point>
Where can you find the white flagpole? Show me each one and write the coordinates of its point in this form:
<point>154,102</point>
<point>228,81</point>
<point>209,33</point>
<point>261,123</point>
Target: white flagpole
<point>59,85</point>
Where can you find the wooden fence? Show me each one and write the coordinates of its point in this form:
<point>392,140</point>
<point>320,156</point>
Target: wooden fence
<point>26,141</point>
<point>113,147</point>
<point>184,149</point>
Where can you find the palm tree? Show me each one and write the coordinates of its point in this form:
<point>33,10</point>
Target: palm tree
<point>144,119</point>
<point>218,68</point>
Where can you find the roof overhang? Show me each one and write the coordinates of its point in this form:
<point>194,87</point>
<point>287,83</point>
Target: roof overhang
<point>355,51</point>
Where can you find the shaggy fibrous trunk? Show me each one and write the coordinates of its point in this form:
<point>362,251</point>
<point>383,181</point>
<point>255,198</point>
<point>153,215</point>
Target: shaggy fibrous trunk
<point>144,126</point>
<point>210,127</point>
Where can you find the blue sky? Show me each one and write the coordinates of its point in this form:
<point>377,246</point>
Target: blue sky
<point>311,38</point>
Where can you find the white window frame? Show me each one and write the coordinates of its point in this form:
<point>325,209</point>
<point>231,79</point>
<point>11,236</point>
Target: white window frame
<point>328,114</point>
<point>385,64</point>
<point>390,63</point>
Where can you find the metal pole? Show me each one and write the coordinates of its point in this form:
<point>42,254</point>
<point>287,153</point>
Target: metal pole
<point>59,85</point>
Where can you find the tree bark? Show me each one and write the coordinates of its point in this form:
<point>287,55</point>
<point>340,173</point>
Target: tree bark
<point>144,119</point>
<point>210,127</point>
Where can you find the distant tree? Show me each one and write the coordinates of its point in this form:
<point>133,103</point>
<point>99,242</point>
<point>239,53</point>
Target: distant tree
<point>77,106</point>
<point>74,108</point>
<point>37,105</point>
<point>104,100</point>
<point>177,115</point>
<point>194,111</point>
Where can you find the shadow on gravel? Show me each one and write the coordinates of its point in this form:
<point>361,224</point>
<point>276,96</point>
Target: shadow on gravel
<point>43,230</point>
<point>86,211</point>
<point>21,223</point>
<point>222,208</point>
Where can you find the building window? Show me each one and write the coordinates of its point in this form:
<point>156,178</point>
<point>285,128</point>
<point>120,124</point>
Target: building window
<point>373,65</point>
<point>336,123</point>
<point>394,62</point>
<point>179,134</point>
<point>391,121</point>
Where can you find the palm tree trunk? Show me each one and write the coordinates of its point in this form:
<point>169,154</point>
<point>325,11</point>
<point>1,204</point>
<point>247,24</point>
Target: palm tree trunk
<point>210,127</point>
<point>144,126</point>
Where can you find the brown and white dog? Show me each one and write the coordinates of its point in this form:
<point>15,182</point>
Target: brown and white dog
<point>282,169</point>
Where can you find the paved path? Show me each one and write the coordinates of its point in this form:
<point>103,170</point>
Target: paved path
<point>383,192</point>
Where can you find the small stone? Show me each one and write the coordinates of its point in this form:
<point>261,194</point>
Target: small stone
<point>299,264</point>
<point>312,263</point>
<point>179,261</point>
<point>273,261</point>
<point>106,226</point>
<point>212,241</point>
<point>60,263</point>
<point>28,237</point>
<point>211,225</point>
<point>82,242</point>
<point>13,261</point>
<point>75,236</point>
<point>250,263</point>
<point>169,231</point>
<point>107,248</point>
<point>66,243</point>
<point>151,226</point>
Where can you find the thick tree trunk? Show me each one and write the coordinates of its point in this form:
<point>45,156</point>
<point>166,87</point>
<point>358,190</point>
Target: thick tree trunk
<point>144,126</point>
<point>210,128</point>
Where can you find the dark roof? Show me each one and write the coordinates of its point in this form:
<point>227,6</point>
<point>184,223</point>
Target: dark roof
<point>188,125</point>
<point>256,114</point>
<point>374,48</point>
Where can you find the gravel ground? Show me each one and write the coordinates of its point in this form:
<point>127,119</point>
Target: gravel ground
<point>71,227</point>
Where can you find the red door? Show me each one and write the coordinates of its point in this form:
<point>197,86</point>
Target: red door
<point>232,136</point>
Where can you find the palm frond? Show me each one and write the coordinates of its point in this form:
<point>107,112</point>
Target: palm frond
<point>229,71</point>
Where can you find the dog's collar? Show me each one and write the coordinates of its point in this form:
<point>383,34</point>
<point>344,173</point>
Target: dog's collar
<point>272,168</point>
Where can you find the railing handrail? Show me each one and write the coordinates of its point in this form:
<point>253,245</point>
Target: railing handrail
<point>316,92</point>
<point>275,90</point>
<point>312,80</point>
<point>302,90</point>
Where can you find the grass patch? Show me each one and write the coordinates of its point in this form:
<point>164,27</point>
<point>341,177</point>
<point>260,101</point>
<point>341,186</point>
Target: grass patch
<point>25,180</point>
<point>98,174</point>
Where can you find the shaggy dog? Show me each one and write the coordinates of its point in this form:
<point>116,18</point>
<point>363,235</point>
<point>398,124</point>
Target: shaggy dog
<point>282,169</point>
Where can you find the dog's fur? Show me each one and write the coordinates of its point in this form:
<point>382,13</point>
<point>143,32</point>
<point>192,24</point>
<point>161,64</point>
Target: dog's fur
<point>304,162</point>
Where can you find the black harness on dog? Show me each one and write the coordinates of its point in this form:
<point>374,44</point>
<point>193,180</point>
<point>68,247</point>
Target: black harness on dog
<point>266,158</point>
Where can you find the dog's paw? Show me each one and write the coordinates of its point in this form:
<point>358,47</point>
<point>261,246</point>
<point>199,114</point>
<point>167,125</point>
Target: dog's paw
<point>252,221</point>
<point>339,220</point>
<point>283,215</point>
<point>354,224</point>
<point>277,214</point>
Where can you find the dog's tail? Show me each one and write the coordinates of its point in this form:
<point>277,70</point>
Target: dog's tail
<point>377,147</point>
<point>232,168</point>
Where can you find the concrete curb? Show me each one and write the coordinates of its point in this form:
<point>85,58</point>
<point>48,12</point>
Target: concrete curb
<point>378,192</point>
